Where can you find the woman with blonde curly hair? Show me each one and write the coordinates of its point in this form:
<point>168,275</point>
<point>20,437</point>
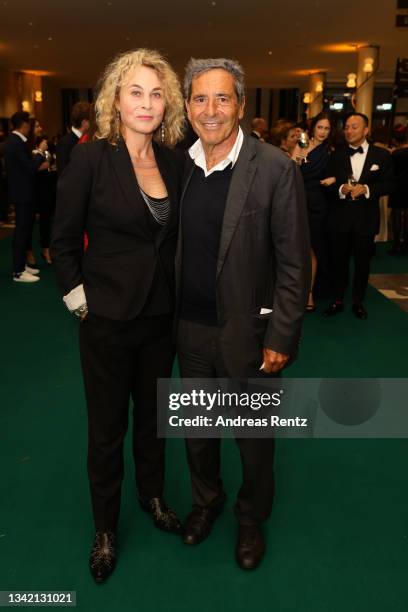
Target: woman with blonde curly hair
<point>122,189</point>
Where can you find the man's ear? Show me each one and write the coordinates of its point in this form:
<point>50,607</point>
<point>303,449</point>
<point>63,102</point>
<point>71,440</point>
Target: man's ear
<point>242,107</point>
<point>187,105</point>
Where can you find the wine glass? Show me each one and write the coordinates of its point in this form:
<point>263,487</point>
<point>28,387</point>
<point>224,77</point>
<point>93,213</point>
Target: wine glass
<point>303,143</point>
<point>352,181</point>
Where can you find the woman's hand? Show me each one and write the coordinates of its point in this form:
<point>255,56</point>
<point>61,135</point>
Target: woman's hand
<point>328,181</point>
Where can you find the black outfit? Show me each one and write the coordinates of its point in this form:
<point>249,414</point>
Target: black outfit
<point>21,169</point>
<point>399,199</point>
<point>64,150</point>
<point>45,186</point>
<point>262,261</point>
<point>313,171</point>
<point>126,339</point>
<point>354,224</point>
<point>255,135</point>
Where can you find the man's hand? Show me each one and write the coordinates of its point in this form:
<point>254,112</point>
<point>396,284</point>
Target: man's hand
<point>346,189</point>
<point>273,361</point>
<point>44,166</point>
<point>358,191</point>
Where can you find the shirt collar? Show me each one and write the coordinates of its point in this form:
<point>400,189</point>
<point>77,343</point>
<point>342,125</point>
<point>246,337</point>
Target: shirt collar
<point>196,153</point>
<point>364,145</point>
<point>23,138</point>
<point>76,132</point>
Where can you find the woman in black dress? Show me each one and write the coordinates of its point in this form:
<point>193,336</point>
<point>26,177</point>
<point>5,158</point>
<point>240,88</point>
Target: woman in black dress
<point>313,170</point>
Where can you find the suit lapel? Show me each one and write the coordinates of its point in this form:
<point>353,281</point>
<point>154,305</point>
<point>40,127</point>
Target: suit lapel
<point>242,177</point>
<point>367,165</point>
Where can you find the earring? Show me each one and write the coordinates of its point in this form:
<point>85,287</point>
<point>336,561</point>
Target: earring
<point>162,132</point>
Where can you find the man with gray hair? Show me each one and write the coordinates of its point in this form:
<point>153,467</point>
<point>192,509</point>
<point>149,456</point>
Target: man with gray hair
<point>242,273</point>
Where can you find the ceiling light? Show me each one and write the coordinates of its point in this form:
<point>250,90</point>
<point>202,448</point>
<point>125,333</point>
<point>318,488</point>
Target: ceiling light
<point>319,86</point>
<point>38,96</point>
<point>306,97</point>
<point>26,106</point>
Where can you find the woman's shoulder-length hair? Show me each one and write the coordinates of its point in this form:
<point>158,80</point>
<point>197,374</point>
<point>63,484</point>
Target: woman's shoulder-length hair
<point>115,75</point>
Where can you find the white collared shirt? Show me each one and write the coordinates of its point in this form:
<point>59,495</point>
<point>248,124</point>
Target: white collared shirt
<point>357,164</point>
<point>23,138</point>
<point>196,153</point>
<point>76,132</point>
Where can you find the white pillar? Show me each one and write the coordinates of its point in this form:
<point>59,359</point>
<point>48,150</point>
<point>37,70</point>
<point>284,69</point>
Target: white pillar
<point>316,87</point>
<point>367,57</point>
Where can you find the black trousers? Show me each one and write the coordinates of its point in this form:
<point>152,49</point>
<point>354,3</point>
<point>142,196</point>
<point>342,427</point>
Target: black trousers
<point>44,196</point>
<point>25,215</point>
<point>122,360</point>
<point>344,246</point>
<point>200,357</point>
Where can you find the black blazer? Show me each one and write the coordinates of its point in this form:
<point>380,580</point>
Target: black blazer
<point>263,259</point>
<point>64,150</point>
<point>98,194</point>
<point>363,214</point>
<point>400,197</point>
<point>21,169</point>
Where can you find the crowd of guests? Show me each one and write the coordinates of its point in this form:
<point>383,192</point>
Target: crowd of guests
<point>30,163</point>
<point>337,232</point>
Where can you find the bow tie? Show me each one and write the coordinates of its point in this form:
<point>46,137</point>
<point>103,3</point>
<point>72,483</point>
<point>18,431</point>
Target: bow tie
<point>352,151</point>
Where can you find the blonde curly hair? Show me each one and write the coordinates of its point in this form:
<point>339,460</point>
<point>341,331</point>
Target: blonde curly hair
<point>115,75</point>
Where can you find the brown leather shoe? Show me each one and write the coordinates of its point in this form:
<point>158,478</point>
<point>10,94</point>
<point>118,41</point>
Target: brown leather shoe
<point>103,556</point>
<point>199,524</point>
<point>250,546</point>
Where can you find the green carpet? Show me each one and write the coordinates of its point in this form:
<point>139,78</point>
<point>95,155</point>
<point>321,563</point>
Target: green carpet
<point>338,535</point>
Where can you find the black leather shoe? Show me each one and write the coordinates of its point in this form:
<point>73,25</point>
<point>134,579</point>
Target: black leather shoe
<point>359,311</point>
<point>199,523</point>
<point>163,517</point>
<point>333,309</point>
<point>250,546</point>
<point>103,556</point>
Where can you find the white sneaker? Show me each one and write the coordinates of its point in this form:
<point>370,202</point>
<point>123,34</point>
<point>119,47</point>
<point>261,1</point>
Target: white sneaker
<point>25,277</point>
<point>31,270</point>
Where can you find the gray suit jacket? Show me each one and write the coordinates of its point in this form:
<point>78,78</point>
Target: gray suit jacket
<point>263,259</point>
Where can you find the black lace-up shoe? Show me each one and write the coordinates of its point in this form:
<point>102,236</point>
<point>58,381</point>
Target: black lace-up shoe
<point>199,524</point>
<point>250,546</point>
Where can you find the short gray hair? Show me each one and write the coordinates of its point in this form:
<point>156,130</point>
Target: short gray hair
<point>196,67</point>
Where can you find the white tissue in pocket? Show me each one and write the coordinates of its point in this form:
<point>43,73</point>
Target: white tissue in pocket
<point>265,311</point>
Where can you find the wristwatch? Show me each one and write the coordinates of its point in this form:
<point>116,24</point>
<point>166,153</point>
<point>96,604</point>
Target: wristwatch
<point>81,311</point>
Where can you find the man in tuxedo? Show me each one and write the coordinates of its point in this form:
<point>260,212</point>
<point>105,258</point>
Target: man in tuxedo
<point>21,168</point>
<point>363,174</point>
<point>258,128</point>
<point>242,275</point>
<point>80,122</point>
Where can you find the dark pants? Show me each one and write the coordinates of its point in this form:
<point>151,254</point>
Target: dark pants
<point>200,357</point>
<point>25,215</point>
<point>344,245</point>
<point>122,360</point>
<point>44,195</point>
